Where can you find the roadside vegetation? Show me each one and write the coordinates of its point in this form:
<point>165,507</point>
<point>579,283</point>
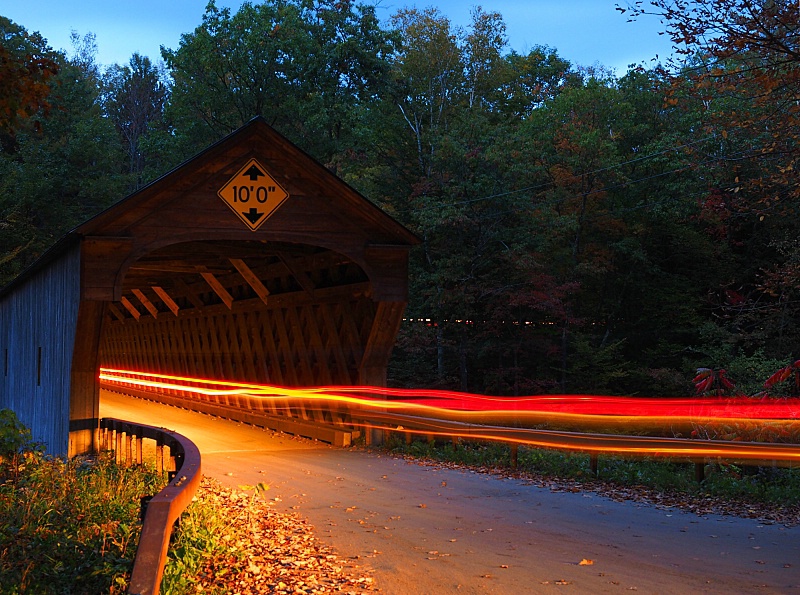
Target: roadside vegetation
<point>72,527</point>
<point>66,526</point>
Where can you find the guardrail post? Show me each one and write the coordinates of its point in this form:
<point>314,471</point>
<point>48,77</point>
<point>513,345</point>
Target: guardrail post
<point>593,465</point>
<point>700,472</point>
<point>128,448</point>
<point>139,455</point>
<point>118,447</point>
<point>514,455</point>
<point>160,455</point>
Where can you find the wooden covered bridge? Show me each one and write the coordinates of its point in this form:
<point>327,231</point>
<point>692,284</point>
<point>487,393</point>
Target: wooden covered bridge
<point>250,261</point>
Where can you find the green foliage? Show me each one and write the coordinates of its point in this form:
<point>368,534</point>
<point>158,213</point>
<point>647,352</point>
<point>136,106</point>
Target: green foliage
<point>134,98</point>
<point>15,441</point>
<point>580,231</point>
<point>63,170</point>
<point>70,526</point>
<point>203,544</point>
<point>306,67</point>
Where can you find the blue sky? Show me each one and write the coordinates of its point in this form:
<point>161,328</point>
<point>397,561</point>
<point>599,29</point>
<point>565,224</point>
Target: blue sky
<point>583,31</point>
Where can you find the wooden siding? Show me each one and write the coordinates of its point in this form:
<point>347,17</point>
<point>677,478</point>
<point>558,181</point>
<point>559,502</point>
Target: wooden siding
<point>38,323</point>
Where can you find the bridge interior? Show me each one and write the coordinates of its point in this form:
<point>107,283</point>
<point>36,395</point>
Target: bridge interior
<point>259,310</point>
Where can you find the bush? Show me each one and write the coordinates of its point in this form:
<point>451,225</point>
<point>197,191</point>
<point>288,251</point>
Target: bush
<point>15,441</point>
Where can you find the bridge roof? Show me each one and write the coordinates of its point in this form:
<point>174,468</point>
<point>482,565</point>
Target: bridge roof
<point>197,202</point>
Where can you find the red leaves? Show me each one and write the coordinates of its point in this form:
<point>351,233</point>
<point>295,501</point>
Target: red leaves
<point>784,374</point>
<point>713,382</point>
<point>779,376</point>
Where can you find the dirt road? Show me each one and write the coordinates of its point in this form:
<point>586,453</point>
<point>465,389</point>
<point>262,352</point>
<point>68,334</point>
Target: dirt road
<point>426,530</point>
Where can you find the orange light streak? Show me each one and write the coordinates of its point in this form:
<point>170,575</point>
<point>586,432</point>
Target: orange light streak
<point>447,407</point>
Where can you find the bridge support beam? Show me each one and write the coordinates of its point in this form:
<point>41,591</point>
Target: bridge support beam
<point>84,405</point>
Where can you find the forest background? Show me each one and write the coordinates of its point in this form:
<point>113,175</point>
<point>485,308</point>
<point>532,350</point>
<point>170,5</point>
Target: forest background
<point>581,232</point>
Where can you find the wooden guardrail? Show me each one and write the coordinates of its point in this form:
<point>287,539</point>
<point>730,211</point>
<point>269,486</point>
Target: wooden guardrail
<point>183,464</point>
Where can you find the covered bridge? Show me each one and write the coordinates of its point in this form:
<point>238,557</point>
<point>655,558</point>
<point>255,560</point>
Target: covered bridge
<point>250,261</point>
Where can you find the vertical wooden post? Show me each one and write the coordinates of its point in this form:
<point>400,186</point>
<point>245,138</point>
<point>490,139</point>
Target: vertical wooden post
<point>159,455</point>
<point>593,465</point>
<point>129,438</point>
<point>514,455</point>
<point>84,399</point>
<point>700,472</point>
<point>118,448</point>
<point>139,455</point>
<point>378,349</point>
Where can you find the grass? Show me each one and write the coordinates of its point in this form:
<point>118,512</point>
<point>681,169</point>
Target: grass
<point>70,526</point>
<point>774,487</point>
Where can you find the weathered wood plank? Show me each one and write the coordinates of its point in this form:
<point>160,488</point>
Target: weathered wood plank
<point>130,308</point>
<point>145,301</point>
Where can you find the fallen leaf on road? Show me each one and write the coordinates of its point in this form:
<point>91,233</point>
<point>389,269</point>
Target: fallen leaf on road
<point>585,562</point>
<point>562,582</point>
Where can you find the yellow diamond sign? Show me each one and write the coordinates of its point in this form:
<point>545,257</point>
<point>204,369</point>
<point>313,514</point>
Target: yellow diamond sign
<point>253,194</point>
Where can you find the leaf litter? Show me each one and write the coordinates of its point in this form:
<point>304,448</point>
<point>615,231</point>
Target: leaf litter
<point>270,552</point>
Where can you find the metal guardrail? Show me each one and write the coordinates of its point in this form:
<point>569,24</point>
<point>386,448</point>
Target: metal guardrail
<point>125,439</point>
<point>690,450</point>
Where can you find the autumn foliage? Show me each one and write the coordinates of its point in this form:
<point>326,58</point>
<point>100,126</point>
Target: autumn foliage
<point>24,74</point>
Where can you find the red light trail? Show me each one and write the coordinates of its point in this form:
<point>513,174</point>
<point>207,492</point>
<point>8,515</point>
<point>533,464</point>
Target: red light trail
<point>450,413</point>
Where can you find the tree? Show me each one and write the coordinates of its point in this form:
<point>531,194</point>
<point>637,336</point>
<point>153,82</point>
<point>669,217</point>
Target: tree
<point>304,65</point>
<point>743,63</point>
<point>63,168</point>
<point>429,74</point>
<point>27,63</point>
<point>134,98</point>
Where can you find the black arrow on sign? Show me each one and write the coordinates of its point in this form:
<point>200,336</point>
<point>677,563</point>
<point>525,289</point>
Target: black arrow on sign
<point>253,173</point>
<point>252,215</point>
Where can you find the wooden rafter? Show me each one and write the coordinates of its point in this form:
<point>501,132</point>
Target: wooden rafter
<point>115,311</point>
<point>149,306</point>
<point>130,308</point>
<point>299,274</point>
<point>168,301</point>
<point>190,294</point>
<point>251,279</point>
<point>219,289</point>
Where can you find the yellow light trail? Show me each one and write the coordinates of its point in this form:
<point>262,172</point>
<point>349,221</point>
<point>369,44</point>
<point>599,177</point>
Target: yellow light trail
<point>380,408</point>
